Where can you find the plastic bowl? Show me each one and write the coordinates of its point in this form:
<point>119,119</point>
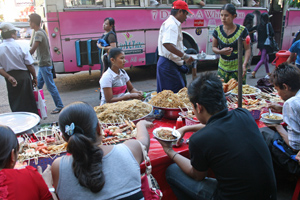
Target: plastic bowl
<point>273,121</point>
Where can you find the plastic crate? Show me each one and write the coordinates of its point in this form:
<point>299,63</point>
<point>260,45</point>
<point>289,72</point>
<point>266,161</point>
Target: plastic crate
<point>190,121</point>
<point>255,114</point>
<point>44,161</point>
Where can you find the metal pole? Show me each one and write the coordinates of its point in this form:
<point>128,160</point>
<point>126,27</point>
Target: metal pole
<point>240,71</point>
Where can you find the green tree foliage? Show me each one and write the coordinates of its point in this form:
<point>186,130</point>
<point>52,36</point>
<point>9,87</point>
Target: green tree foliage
<point>294,3</point>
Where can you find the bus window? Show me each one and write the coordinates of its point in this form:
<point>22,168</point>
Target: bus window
<point>122,3</point>
<point>72,3</point>
<point>222,2</point>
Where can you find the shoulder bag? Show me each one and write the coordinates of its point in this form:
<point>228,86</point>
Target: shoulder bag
<point>150,187</point>
<point>270,42</point>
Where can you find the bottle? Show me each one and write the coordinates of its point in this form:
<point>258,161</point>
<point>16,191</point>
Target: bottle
<point>179,122</point>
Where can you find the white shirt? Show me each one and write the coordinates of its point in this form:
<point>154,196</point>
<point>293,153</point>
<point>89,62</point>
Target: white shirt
<point>13,56</point>
<point>118,83</point>
<point>170,32</point>
<point>291,116</point>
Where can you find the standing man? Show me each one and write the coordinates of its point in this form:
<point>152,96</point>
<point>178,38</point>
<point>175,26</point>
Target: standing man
<point>41,44</point>
<point>16,67</point>
<point>170,50</point>
<point>227,142</point>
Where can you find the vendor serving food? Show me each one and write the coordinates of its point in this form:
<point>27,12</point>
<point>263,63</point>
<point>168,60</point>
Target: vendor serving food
<point>115,81</point>
<point>287,82</point>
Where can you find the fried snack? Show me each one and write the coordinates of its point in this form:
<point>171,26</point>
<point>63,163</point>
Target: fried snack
<point>246,89</point>
<point>230,81</point>
<point>116,112</point>
<point>225,87</point>
<point>165,134</point>
<point>232,86</point>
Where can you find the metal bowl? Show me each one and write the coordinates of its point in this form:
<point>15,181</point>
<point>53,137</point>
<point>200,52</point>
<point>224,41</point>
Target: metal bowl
<point>171,113</point>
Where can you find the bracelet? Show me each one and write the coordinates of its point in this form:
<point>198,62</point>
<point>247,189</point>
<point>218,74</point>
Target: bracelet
<point>174,155</point>
<point>185,56</point>
<point>51,189</point>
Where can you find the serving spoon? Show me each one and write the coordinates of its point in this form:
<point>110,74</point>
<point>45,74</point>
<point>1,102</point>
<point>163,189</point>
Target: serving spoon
<point>270,112</point>
<point>173,132</point>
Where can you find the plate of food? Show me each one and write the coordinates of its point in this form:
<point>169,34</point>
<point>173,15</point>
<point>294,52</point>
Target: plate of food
<point>275,118</point>
<point>165,134</point>
<point>248,90</point>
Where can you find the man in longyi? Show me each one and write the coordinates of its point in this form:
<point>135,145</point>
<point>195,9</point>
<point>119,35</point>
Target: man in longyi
<point>170,50</point>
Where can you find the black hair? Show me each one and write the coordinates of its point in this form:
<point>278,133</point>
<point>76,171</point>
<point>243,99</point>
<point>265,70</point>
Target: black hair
<point>8,142</point>
<point>174,11</point>
<point>114,52</point>
<point>35,18</point>
<point>264,19</point>
<point>229,8</point>
<point>207,90</point>
<point>8,34</point>
<point>83,144</point>
<point>248,21</point>
<point>288,74</point>
<point>111,22</point>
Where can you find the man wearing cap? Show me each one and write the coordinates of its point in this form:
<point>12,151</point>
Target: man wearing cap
<point>45,75</point>
<point>170,50</point>
<point>16,66</point>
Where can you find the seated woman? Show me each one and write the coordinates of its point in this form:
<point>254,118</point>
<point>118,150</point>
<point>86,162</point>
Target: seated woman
<point>115,82</point>
<point>94,170</point>
<point>27,183</point>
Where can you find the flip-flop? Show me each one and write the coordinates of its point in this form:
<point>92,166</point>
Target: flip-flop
<point>56,111</point>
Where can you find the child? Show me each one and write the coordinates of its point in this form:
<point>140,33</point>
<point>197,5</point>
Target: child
<point>115,81</point>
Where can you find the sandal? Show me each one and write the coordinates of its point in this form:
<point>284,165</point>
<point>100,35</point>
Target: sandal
<point>56,111</point>
<point>253,74</point>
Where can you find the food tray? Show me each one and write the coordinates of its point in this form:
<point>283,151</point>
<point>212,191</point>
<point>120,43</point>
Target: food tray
<point>258,91</point>
<point>171,113</point>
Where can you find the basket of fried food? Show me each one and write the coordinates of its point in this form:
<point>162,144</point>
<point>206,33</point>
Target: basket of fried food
<point>247,90</point>
<point>117,113</point>
<point>165,134</point>
<point>230,85</point>
<point>171,102</point>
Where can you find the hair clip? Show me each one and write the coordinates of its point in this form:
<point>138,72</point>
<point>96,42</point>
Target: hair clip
<point>69,130</point>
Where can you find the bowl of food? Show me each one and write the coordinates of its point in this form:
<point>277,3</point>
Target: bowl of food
<point>165,134</point>
<point>248,90</point>
<point>275,118</point>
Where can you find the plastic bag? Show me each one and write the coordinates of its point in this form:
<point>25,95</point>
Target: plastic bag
<point>40,103</point>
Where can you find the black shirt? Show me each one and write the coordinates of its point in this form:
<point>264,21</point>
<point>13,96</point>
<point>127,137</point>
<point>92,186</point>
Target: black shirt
<point>262,34</point>
<point>233,147</point>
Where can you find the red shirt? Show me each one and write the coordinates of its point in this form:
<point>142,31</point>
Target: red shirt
<point>25,184</point>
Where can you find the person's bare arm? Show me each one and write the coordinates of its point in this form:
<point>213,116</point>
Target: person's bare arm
<point>173,49</point>
<point>247,56</point>
<point>201,3</point>
<point>291,58</point>
<point>109,96</point>
<point>34,47</point>
<point>32,72</point>
<point>11,79</point>
<point>216,50</point>
<point>142,136</point>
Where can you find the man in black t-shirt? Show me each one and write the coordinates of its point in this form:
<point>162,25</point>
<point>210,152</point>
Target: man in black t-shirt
<point>230,144</point>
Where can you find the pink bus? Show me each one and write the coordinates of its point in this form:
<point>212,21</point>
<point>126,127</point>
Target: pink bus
<point>74,26</point>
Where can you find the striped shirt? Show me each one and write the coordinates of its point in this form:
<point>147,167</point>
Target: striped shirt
<point>291,116</point>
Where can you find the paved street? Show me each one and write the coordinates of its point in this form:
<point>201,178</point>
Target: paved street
<point>84,87</point>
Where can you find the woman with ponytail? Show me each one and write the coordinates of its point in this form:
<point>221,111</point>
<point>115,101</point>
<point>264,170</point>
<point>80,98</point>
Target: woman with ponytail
<point>93,170</point>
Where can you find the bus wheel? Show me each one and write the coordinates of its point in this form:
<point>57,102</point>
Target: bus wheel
<point>189,42</point>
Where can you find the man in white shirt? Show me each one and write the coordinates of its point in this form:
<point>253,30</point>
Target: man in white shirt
<point>286,80</point>
<point>170,50</point>
<point>16,66</point>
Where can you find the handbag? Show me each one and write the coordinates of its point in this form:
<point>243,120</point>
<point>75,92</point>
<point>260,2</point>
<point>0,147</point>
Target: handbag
<point>270,42</point>
<point>150,187</point>
<point>40,102</point>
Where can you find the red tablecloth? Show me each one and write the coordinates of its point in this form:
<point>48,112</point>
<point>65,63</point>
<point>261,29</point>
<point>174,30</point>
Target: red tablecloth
<point>160,161</point>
